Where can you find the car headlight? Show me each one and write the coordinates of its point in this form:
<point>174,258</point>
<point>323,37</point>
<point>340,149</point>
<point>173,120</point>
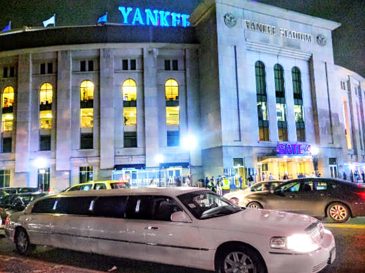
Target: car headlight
<point>298,242</point>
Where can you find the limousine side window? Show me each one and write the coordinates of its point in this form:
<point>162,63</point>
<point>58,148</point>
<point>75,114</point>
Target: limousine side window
<point>75,188</point>
<point>44,206</point>
<point>139,207</point>
<point>100,186</point>
<point>110,206</point>
<point>164,207</point>
<point>74,205</point>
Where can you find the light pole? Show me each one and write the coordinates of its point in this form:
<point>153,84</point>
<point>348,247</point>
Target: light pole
<point>315,152</point>
<point>189,143</point>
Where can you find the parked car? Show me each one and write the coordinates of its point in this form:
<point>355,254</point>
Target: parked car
<point>18,202</point>
<point>319,197</point>
<point>16,190</point>
<point>189,227</point>
<point>99,185</point>
<point>237,197</point>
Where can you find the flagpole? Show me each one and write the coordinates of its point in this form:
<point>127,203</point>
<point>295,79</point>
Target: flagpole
<point>54,14</point>
<point>10,24</point>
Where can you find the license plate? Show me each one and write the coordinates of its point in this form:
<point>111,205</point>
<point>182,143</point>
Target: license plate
<point>332,256</point>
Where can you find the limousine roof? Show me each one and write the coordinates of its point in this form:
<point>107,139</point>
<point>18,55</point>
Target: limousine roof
<point>141,191</point>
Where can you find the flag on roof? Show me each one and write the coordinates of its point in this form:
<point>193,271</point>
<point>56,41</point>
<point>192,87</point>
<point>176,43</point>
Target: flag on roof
<point>50,21</point>
<point>103,19</point>
<point>8,27</point>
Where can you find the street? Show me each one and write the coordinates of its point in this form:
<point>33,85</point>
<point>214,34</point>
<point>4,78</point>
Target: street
<point>350,240</point>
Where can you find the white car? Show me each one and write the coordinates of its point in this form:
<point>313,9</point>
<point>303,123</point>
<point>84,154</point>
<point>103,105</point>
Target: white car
<point>178,226</point>
<point>237,197</point>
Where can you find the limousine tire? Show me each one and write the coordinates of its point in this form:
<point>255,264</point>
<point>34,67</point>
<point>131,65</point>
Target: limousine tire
<point>22,243</point>
<point>240,258</point>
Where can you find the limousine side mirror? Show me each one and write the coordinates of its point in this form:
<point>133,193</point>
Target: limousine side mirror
<point>180,216</point>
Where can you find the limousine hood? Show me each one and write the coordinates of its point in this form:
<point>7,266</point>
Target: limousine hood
<point>261,222</point>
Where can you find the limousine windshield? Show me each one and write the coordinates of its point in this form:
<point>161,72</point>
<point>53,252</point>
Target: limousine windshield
<point>205,204</point>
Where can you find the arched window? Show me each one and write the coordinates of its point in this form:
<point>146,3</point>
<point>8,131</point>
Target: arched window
<point>172,90</point>
<point>46,94</point>
<point>298,104</point>
<point>280,102</point>
<point>8,97</point>
<point>129,90</point>
<point>87,91</point>
<point>262,101</point>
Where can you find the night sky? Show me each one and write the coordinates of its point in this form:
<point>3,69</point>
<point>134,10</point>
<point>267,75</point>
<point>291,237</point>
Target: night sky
<point>347,39</point>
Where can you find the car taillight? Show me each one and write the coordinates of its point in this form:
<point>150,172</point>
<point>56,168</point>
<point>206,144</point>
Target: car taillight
<point>7,220</point>
<point>362,194</point>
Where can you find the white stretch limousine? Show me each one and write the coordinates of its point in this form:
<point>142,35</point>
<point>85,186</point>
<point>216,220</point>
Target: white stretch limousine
<point>180,226</point>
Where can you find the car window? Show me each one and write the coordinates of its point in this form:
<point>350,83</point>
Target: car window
<point>307,186</point>
<point>164,207</point>
<point>139,207</point>
<point>44,206</point>
<point>100,186</point>
<point>120,185</point>
<point>321,186</point>
<point>74,205</point>
<point>86,187</point>
<point>110,206</point>
<point>290,187</point>
<point>77,188</point>
<point>274,185</point>
<point>256,187</point>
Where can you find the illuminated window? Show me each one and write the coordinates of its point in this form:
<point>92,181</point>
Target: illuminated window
<point>298,104</point>
<point>4,178</point>
<point>7,122</point>
<point>129,90</point>
<point>46,93</point>
<point>45,119</point>
<point>87,91</point>
<point>86,174</point>
<point>280,102</point>
<point>130,116</point>
<point>172,115</point>
<point>261,96</point>
<point>172,90</point>
<point>8,97</point>
<point>87,118</point>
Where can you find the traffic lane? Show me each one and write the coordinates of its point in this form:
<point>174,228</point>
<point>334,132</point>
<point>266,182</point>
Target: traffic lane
<point>48,259</point>
<point>350,244</point>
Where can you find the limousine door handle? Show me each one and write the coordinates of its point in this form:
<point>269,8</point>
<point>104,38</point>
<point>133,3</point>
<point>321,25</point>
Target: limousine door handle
<point>153,228</point>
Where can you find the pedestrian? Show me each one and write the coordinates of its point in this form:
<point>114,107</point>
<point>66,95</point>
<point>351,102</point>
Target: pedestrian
<point>206,181</point>
<point>263,177</point>
<point>352,177</point>
<point>271,177</point>
<point>219,188</point>
<point>356,174</point>
<point>363,176</point>
<point>241,181</point>
<point>250,180</point>
<point>225,186</point>
<point>344,176</point>
<point>286,176</point>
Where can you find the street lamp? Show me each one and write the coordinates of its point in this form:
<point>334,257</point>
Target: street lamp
<point>315,152</point>
<point>189,143</point>
<point>159,158</point>
<point>41,163</point>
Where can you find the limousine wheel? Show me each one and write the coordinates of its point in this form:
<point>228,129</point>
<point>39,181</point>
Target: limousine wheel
<point>241,260</point>
<point>254,205</point>
<point>338,212</point>
<point>22,243</point>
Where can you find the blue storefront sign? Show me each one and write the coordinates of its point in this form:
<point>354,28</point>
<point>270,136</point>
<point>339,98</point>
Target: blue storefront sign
<point>157,18</point>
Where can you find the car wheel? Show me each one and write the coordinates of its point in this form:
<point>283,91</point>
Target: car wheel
<point>338,212</point>
<point>254,205</point>
<point>240,259</point>
<point>22,244</point>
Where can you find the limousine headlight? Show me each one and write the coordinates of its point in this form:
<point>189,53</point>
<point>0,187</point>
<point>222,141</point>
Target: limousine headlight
<point>298,242</point>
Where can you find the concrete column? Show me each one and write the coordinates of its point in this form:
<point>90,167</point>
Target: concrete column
<point>289,98</point>
<point>106,109</point>
<point>151,106</point>
<point>63,132</point>
<point>271,103</point>
<point>23,120</point>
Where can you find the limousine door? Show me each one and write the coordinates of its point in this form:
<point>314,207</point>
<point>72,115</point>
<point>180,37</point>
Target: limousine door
<point>107,226</point>
<point>171,242</point>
